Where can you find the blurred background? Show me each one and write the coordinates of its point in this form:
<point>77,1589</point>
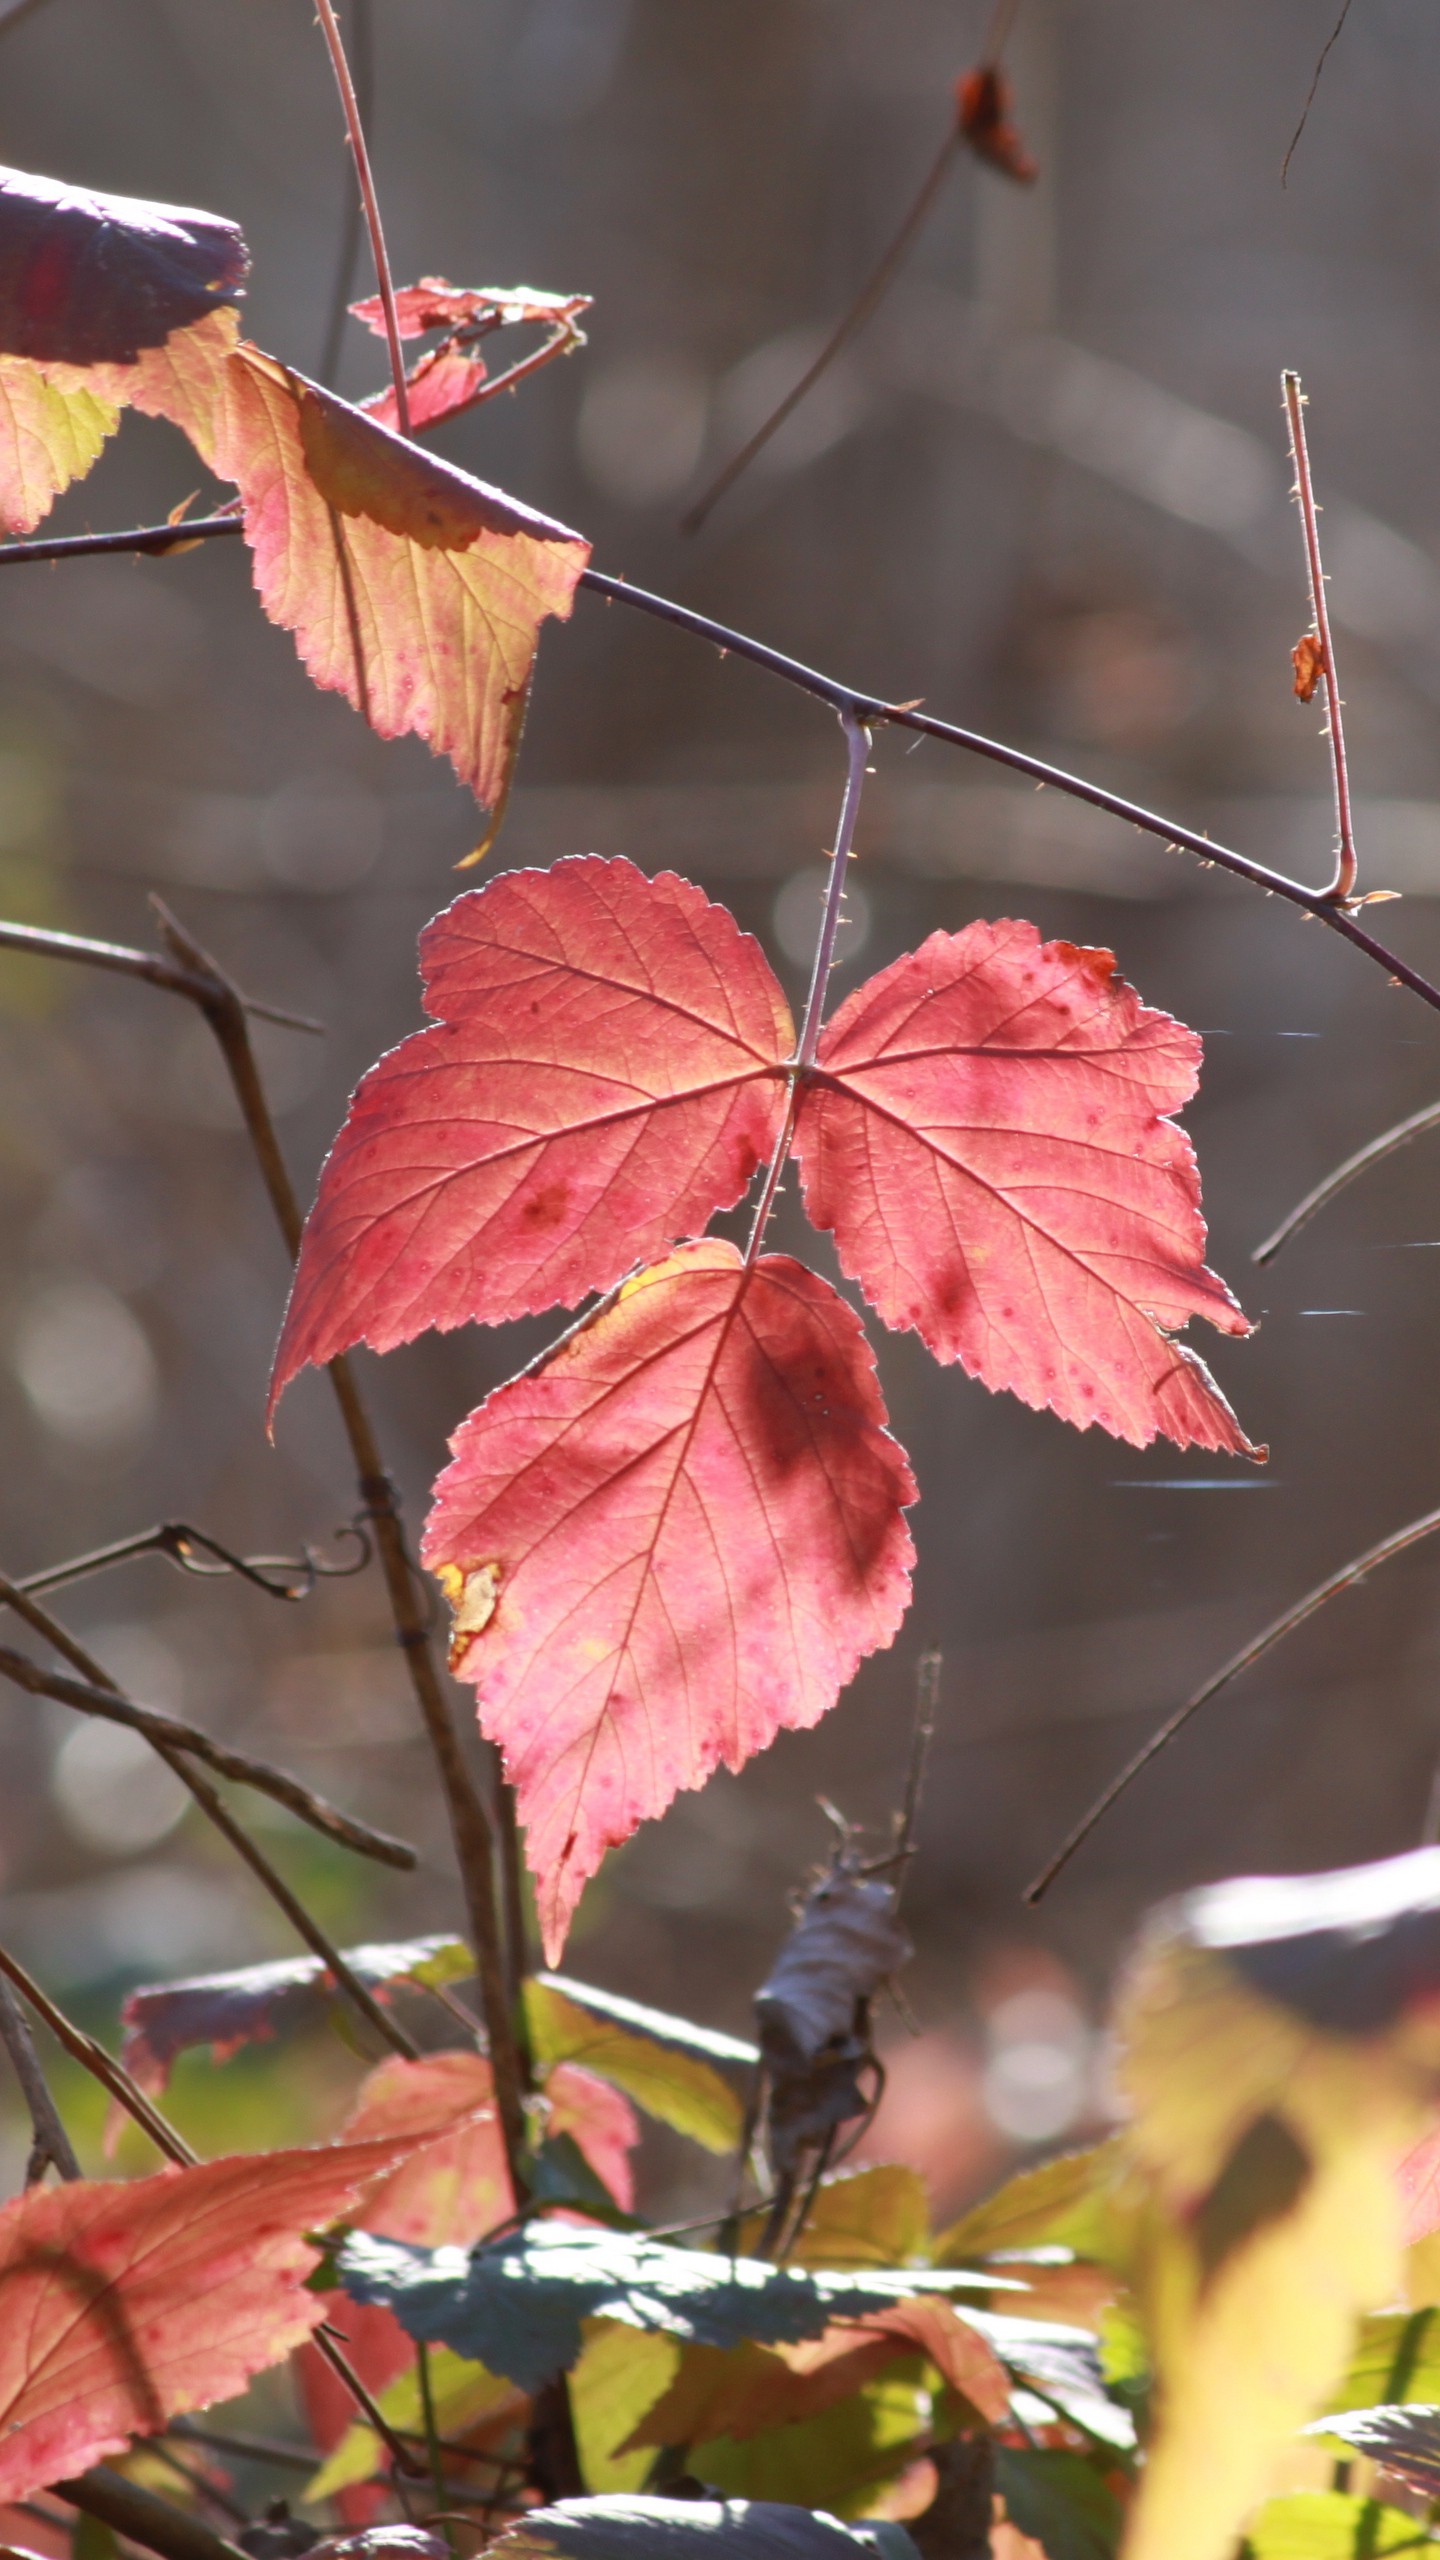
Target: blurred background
<point>1046,491</point>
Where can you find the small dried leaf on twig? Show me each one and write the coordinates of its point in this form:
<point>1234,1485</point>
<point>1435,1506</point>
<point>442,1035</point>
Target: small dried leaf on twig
<point>1308,659</point>
<point>814,2013</point>
<point>985,106</point>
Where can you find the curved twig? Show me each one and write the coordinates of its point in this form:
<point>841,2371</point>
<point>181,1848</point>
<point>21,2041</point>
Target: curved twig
<point>1354,1571</point>
<point>51,2146</point>
<point>866,303</point>
<point>1346,859</point>
<point>355,129</point>
<point>173,1734</point>
<point>1389,1143</point>
<point>280,1577</point>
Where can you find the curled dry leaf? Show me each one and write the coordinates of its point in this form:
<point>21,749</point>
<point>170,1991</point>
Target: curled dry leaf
<point>123,2305</point>
<point>673,1540</point>
<point>986,115</point>
<point>452,376</point>
<point>88,284</point>
<point>987,1138</point>
<point>814,2014</point>
<point>601,1075</point>
<point>260,2001</point>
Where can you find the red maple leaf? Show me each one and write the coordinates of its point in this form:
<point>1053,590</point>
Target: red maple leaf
<point>123,2305</point>
<point>676,1538</point>
<point>603,1074</point>
<point>986,1137</point>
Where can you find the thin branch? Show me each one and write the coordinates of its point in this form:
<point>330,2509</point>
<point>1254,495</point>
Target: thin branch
<point>866,303</point>
<point>102,1694</point>
<point>869,707</point>
<point>46,945</point>
<point>281,1577</point>
<point>1389,1143</point>
<point>1325,50</point>
<point>144,2518</point>
<point>927,1703</point>
<point>172,1734</point>
<point>1285,1625</point>
<point>1346,859</point>
<point>286,2457</point>
<point>17,10</point>
<point>354,127</point>
<point>102,2066</point>
<point>52,2146</point>
<point>470,1824</point>
<point>362,49</point>
<point>857,748</point>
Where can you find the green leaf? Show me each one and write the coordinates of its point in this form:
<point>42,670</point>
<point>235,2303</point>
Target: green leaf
<point>463,2393</point>
<point>864,2218</point>
<point>617,2528</point>
<point>1397,2358</point>
<point>1063,2203</point>
<point>837,2460</point>
<point>516,2304</point>
<point>618,2379</point>
<point>1321,2524</point>
<point>654,2059</point>
<point>1060,2501</point>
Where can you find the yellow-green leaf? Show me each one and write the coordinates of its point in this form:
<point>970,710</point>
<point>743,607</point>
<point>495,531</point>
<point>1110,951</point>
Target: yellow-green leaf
<point>839,2461</point>
<point>621,2374</point>
<point>1064,2203</point>
<point>463,2394</point>
<point>679,2088</point>
<point>1321,2524</point>
<point>863,2218</point>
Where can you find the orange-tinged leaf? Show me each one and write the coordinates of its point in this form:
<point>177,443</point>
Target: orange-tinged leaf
<point>1308,659</point>
<point>411,588</point>
<point>987,1138</point>
<point>747,2390</point>
<point>674,1539</point>
<point>603,1072</point>
<point>600,2121</point>
<point>123,2305</point>
<point>455,2187</point>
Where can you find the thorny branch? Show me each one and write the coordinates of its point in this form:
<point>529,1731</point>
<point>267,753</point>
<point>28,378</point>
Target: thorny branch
<point>1346,860</point>
<point>355,131</point>
<point>868,707</point>
<point>1341,1580</point>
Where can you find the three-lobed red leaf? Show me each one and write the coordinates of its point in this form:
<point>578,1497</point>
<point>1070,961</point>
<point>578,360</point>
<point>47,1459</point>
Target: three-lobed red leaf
<point>122,2306</point>
<point>987,1138</point>
<point>676,1538</point>
<point>601,1076</point>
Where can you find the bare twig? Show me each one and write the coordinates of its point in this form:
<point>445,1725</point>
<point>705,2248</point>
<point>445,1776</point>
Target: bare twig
<point>52,2146</point>
<point>362,55</point>
<point>470,1825</point>
<point>102,1688</point>
<point>1285,1625</point>
<point>1325,50</point>
<point>282,1577</point>
<point>1346,861</point>
<point>866,303</point>
<point>927,1702</point>
<point>144,2518</point>
<point>17,10</point>
<point>1389,1143</point>
<point>354,127</point>
<point>46,945</point>
<point>172,1734</point>
<point>857,748</point>
<point>872,708</point>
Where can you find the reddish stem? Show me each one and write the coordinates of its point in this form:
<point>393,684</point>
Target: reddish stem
<point>1346,863</point>
<point>330,29</point>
